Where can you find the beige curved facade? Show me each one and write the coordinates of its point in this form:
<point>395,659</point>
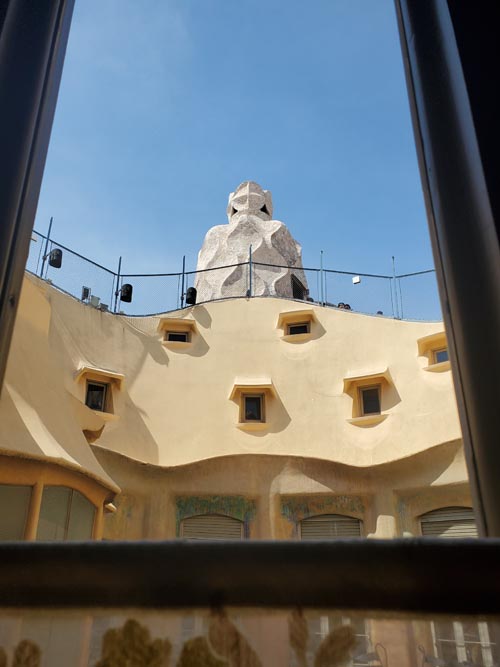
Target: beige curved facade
<point>171,443</point>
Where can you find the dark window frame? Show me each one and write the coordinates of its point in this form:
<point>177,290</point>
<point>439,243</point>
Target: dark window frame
<point>106,403</point>
<point>177,336</point>
<point>361,392</point>
<point>462,223</point>
<point>439,351</point>
<point>262,405</point>
<point>69,505</point>
<point>293,325</point>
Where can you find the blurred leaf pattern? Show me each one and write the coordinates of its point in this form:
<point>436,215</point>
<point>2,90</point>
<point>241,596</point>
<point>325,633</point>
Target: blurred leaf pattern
<point>224,646</point>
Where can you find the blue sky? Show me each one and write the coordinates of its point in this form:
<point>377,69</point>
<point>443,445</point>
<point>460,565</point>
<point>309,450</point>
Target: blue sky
<point>166,106</point>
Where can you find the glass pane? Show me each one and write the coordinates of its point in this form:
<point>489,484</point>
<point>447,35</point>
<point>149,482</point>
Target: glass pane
<point>253,408</point>
<point>96,396</point>
<point>14,505</point>
<point>177,336</point>
<point>371,401</point>
<point>53,513</point>
<point>444,631</point>
<point>81,518</point>
<point>441,355</point>
<point>298,329</point>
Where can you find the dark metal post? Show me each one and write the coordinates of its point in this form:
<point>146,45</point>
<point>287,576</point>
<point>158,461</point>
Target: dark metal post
<point>183,277</point>
<point>117,291</point>
<point>322,284</point>
<point>250,272</point>
<point>460,199</point>
<point>394,287</point>
<point>45,252</point>
<point>33,40</point>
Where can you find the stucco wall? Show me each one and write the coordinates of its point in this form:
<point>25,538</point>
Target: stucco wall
<point>271,494</point>
<point>174,407</point>
<point>37,419</point>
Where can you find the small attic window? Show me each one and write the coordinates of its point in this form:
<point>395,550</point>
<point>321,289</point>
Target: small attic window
<point>177,331</point>
<point>435,348</point>
<point>254,397</point>
<point>369,392</point>
<point>297,325</point>
<point>99,388</point>
<point>264,210</point>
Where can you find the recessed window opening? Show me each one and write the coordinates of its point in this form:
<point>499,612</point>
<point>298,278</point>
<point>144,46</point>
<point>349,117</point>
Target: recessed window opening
<point>370,400</point>
<point>441,355</point>
<point>177,336</point>
<point>253,408</point>
<point>298,328</point>
<point>97,394</point>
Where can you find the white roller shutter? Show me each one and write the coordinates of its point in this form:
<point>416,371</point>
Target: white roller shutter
<point>329,527</point>
<point>212,527</point>
<point>449,522</point>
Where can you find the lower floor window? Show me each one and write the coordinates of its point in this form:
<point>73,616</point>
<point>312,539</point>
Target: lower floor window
<point>14,507</point>
<point>321,626</point>
<point>329,527</point>
<point>212,527</point>
<point>464,643</point>
<point>65,514</point>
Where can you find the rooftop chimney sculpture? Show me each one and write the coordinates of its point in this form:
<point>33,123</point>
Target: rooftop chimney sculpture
<point>249,212</point>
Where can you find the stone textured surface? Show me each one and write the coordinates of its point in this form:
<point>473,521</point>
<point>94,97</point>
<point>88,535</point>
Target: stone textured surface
<point>249,213</point>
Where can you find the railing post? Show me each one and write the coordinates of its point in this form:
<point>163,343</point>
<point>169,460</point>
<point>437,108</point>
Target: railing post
<point>117,291</point>
<point>183,278</point>
<point>395,289</point>
<point>44,258</point>
<point>250,272</point>
<point>321,284</point>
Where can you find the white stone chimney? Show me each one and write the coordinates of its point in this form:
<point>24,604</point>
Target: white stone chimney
<point>249,212</point>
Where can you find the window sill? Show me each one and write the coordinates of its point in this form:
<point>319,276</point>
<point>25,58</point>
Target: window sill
<point>252,426</point>
<point>176,344</point>
<point>296,338</point>
<point>106,416</point>
<point>438,368</point>
<point>368,420</point>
